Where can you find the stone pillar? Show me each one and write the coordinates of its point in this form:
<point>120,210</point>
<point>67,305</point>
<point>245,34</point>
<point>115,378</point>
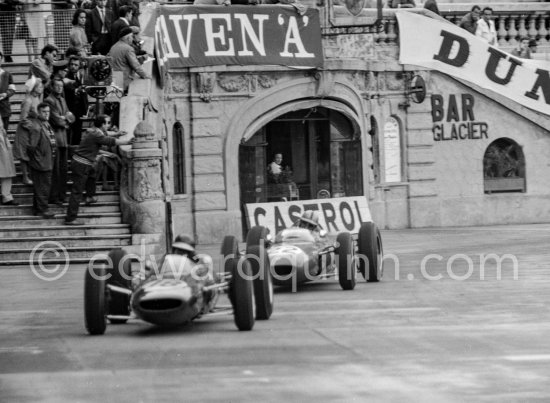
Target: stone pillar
<point>142,195</point>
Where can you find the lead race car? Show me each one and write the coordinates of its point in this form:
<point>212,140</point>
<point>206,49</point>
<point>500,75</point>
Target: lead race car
<point>305,252</point>
<point>183,289</point>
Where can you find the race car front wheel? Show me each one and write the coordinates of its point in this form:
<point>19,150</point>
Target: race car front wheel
<point>263,283</point>
<point>119,304</point>
<point>242,289</point>
<point>256,237</point>
<point>370,252</point>
<point>346,261</point>
<point>94,300</point>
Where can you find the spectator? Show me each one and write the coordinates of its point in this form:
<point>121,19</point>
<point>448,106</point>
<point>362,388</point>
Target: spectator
<point>82,165</point>
<point>533,45</point>
<point>98,28</point>
<point>134,4</point>
<point>76,98</point>
<point>522,49</point>
<point>401,3</point>
<point>42,67</point>
<point>60,19</point>
<point>124,57</point>
<point>29,109</point>
<point>7,89</point>
<point>7,167</point>
<point>77,35</point>
<point>7,26</point>
<point>35,14</point>
<point>486,27</point>
<point>125,13</point>
<point>432,6</point>
<point>60,119</point>
<point>41,151</point>
<point>469,21</point>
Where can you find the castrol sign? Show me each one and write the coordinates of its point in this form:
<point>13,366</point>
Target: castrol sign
<point>335,215</point>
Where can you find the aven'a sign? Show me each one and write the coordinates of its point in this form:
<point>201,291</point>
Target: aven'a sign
<point>335,215</point>
<point>457,53</point>
<point>194,36</point>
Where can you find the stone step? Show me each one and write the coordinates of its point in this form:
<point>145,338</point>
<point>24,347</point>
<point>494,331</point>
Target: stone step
<point>97,219</point>
<point>46,232</point>
<point>67,241</point>
<point>26,198</point>
<point>26,209</point>
<point>74,252</point>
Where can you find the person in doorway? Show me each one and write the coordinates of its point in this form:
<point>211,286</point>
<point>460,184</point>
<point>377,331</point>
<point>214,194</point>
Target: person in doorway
<point>275,169</point>
<point>41,151</point>
<point>83,165</point>
<point>7,167</point>
<point>486,27</point>
<point>469,21</point>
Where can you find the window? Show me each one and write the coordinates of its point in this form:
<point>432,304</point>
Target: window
<point>392,151</point>
<point>375,149</point>
<point>504,167</point>
<point>179,158</point>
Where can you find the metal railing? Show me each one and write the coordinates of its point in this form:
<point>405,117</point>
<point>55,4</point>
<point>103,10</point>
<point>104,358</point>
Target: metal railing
<point>24,33</point>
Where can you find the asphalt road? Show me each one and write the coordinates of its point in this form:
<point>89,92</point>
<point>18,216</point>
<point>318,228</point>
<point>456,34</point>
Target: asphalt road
<point>434,333</point>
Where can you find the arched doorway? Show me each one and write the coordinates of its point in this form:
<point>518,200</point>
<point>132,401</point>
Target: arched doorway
<point>311,153</point>
<point>504,167</point>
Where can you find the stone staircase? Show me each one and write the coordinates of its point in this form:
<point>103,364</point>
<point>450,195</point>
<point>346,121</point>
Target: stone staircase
<point>24,237</point>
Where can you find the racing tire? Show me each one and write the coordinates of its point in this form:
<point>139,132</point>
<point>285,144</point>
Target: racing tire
<point>346,261</point>
<point>370,247</point>
<point>243,292</point>
<point>119,304</point>
<point>95,300</point>
<point>255,237</point>
<point>263,283</point>
<point>230,255</point>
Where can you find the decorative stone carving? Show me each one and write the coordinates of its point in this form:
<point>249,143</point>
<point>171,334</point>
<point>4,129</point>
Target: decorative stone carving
<point>395,83</point>
<point>233,83</point>
<point>359,80</point>
<point>180,83</point>
<point>146,180</point>
<point>205,85</point>
<point>266,81</point>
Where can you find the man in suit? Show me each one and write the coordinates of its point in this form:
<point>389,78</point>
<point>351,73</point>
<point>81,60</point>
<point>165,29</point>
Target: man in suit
<point>60,119</point>
<point>98,28</point>
<point>125,13</point>
<point>41,150</point>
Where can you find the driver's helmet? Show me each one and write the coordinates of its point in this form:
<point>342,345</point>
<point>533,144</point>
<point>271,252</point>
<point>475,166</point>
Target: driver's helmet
<point>309,220</point>
<point>183,244</point>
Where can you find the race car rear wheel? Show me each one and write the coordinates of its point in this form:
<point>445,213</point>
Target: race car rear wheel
<point>346,261</point>
<point>119,304</point>
<point>255,237</point>
<point>95,300</point>
<point>263,283</point>
<point>242,289</point>
<point>230,255</point>
<point>370,252</point>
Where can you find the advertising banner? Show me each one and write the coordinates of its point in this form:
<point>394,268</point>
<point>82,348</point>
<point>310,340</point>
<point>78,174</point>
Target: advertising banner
<point>454,51</point>
<point>335,215</point>
<point>195,36</point>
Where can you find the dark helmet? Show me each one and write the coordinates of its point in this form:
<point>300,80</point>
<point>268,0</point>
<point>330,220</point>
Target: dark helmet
<point>184,243</point>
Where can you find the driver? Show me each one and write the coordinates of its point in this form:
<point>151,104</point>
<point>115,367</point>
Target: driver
<point>309,220</point>
<point>184,245</point>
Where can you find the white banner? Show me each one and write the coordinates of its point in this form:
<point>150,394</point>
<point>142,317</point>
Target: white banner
<point>445,47</point>
<point>335,215</point>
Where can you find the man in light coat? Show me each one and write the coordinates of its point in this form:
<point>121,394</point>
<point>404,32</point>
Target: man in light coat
<point>486,27</point>
<point>124,57</point>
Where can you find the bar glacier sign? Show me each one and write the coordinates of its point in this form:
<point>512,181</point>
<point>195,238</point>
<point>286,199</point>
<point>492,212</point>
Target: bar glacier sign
<point>195,36</point>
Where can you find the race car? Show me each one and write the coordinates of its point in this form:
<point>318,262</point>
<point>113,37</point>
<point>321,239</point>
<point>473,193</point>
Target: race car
<point>305,252</point>
<point>180,289</point>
